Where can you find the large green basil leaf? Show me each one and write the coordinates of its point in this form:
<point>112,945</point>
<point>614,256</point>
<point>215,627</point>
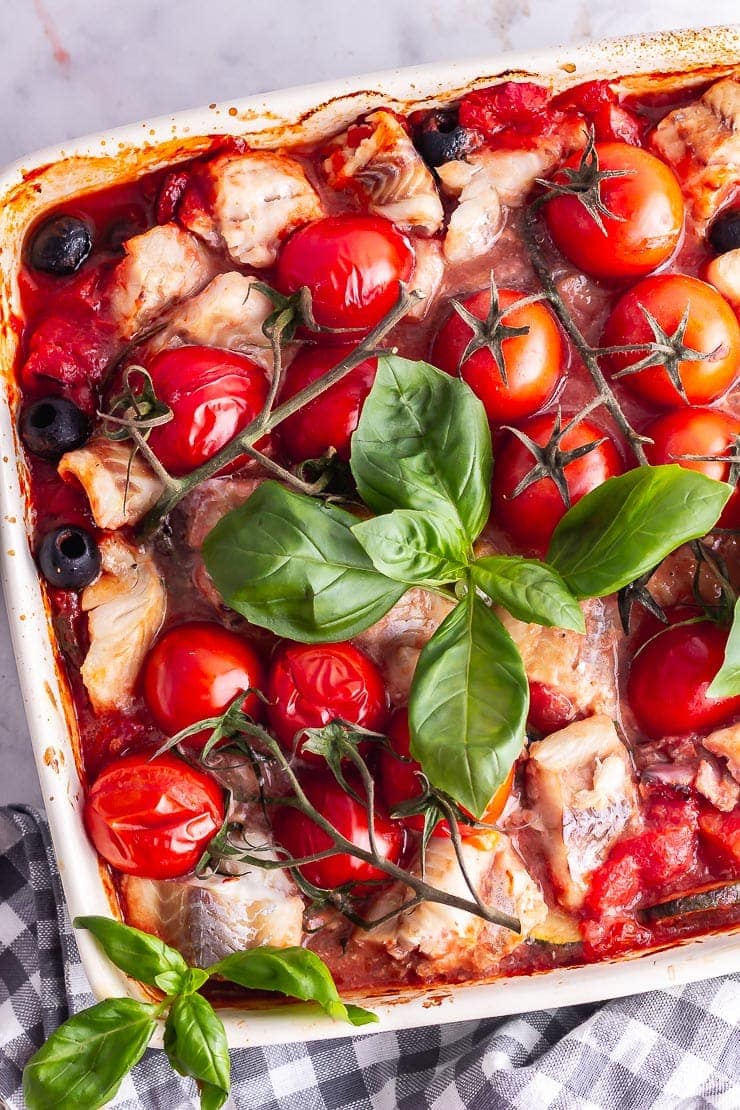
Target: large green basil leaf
<point>423,442</point>
<point>626,526</point>
<point>295,972</point>
<point>196,1045</point>
<point>530,590</point>
<point>85,1059</point>
<point>468,705</point>
<point>417,548</point>
<point>140,955</point>
<point>726,682</point>
<point>290,563</point>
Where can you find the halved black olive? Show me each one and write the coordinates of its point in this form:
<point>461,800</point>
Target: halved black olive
<point>440,138</point>
<point>60,245</point>
<point>52,426</point>
<point>69,558</point>
<point>724,234</point>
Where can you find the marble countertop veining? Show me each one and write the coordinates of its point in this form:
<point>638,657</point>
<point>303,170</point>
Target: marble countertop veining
<point>74,66</point>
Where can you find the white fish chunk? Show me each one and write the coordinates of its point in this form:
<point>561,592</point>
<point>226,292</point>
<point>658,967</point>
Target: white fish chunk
<point>428,273</point>
<point>723,272</point>
<point>725,742</point>
<point>387,171</point>
<point>581,783</point>
<point>125,608</point>
<point>120,490</point>
<point>717,785</point>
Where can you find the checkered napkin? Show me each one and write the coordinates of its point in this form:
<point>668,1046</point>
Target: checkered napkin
<point>677,1049</point>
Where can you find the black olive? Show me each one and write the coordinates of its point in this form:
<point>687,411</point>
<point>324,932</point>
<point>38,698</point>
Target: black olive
<point>52,426</point>
<point>69,558</point>
<point>440,139</point>
<point>60,245</point>
<point>724,234</point>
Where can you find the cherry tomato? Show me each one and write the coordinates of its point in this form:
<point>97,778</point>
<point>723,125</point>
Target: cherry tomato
<point>711,327</point>
<point>532,362</point>
<point>549,709</point>
<point>668,680</point>
<point>330,420</point>
<point>310,685</point>
<point>533,515</point>
<point>153,817</point>
<point>194,671</point>
<point>646,222</point>
<point>301,836</point>
<point>213,394</point>
<point>352,266</point>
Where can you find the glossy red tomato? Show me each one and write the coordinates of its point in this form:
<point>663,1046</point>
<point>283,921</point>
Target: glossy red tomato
<point>213,394</point>
<point>310,685</point>
<point>646,223</point>
<point>330,420</point>
<point>153,817</point>
<point>532,362</point>
<point>711,326</point>
<point>549,709</point>
<point>301,836</point>
<point>352,266</point>
<point>194,671</point>
<point>533,515</point>
<point>669,677</point>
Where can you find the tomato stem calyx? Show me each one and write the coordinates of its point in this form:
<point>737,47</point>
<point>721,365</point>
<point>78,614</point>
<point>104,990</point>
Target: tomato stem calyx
<point>584,183</point>
<point>489,334</point>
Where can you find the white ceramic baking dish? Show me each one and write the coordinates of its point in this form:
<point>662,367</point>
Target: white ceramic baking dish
<point>43,180</point>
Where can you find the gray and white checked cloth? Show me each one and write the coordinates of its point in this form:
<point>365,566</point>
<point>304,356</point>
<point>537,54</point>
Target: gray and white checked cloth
<point>662,1051</point>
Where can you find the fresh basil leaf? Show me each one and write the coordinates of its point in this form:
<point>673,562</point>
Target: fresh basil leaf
<point>417,548</point>
<point>423,442</point>
<point>726,682</point>
<point>85,1059</point>
<point>626,526</point>
<point>139,954</point>
<point>290,563</point>
<point>528,589</point>
<point>295,972</point>
<point>468,705</point>
<point>196,1045</point>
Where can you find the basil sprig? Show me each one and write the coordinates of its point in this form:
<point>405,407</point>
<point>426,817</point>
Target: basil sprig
<point>84,1061</point>
<point>726,682</point>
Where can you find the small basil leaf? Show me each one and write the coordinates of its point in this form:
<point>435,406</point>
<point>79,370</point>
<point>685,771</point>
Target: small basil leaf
<point>290,563</point>
<point>140,955</point>
<point>423,442</point>
<point>196,1045</point>
<point>726,682</point>
<point>295,972</point>
<point>417,548</point>
<point>85,1059</point>
<point>530,590</point>
<point>171,982</point>
<point>626,526</point>
<point>468,705</point>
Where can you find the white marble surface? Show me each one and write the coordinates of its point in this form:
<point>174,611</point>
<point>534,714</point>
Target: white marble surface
<point>73,66</point>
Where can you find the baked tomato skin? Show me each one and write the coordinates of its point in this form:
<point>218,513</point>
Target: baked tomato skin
<point>213,394</point>
<point>669,677</point>
<point>311,685</point>
<point>646,222</point>
<point>194,671</point>
<point>153,817</point>
<point>532,362</point>
<point>532,516</point>
<point>329,421</point>
<point>301,836</point>
<point>711,328</point>
<point>352,265</point>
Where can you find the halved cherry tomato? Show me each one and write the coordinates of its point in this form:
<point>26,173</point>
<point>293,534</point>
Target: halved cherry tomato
<point>711,328</point>
<point>330,420</point>
<point>153,817</point>
<point>310,685</point>
<point>301,836</point>
<point>646,219</point>
<point>532,516</point>
<point>669,677</point>
<point>194,671</point>
<point>549,709</point>
<point>213,394</point>
<point>532,362</point>
<point>351,264</point>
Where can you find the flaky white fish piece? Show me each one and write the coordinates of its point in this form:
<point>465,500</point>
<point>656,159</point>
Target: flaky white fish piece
<point>379,162</point>
<point>125,609</point>
<point>428,273</point>
<point>119,488</point>
<point>723,272</point>
<point>248,203</point>
<point>725,742</point>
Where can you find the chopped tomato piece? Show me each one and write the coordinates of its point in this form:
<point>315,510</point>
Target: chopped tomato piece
<point>721,833</point>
